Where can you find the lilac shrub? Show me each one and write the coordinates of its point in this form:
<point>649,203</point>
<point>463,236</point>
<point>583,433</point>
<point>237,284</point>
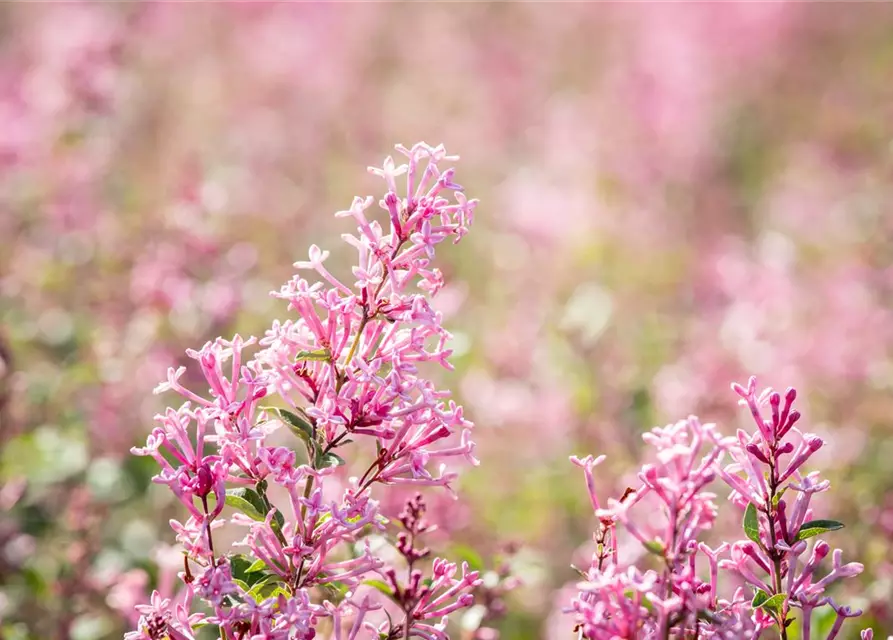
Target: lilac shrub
<point>774,573</point>
<point>345,371</point>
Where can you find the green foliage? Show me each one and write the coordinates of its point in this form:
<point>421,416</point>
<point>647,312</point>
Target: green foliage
<point>817,527</point>
<point>752,524</point>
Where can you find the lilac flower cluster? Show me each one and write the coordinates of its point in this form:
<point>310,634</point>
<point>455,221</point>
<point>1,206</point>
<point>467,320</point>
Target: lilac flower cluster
<point>775,572</point>
<point>345,371</point>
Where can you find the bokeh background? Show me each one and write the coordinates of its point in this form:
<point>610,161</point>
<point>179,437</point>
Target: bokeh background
<point>672,197</point>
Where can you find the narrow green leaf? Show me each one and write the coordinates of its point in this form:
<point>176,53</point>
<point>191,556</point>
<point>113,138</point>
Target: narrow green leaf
<point>298,425</point>
<point>318,354</point>
<point>237,502</point>
<point>251,496</point>
<point>233,600</point>
<point>774,604</point>
<point>465,553</point>
<point>301,427</point>
<point>323,519</point>
<point>238,562</point>
<point>654,547</point>
<point>634,596</point>
<point>381,585</point>
<point>759,599</point>
<point>261,592</point>
<point>752,524</point>
<point>258,565</point>
<point>239,565</point>
<point>335,590</point>
<point>266,587</point>
<point>278,521</point>
<point>817,528</point>
<point>329,460</point>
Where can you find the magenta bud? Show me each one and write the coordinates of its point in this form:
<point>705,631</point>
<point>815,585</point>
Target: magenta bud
<point>754,450</point>
<point>821,549</point>
<point>205,480</point>
<point>775,399</point>
<point>815,443</point>
<point>787,447</point>
<point>790,395</point>
<point>791,420</point>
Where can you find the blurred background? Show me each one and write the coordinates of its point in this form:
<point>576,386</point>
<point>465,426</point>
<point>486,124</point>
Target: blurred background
<point>672,197</point>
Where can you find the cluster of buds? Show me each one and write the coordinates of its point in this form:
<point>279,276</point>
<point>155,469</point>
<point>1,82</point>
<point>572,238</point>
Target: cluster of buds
<point>767,468</point>
<point>673,599</point>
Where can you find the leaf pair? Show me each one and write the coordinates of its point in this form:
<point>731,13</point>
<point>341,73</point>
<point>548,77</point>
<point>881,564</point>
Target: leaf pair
<point>807,529</point>
<point>306,432</point>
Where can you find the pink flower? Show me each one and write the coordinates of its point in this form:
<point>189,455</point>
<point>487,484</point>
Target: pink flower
<point>347,369</point>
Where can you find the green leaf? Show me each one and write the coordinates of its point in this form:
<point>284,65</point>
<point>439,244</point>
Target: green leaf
<point>245,571</point>
<point>329,460</point>
<point>323,519</point>
<point>817,528</point>
<point>237,500</point>
<point>634,596</point>
<point>655,547</point>
<point>464,553</point>
<point>318,354</point>
<point>258,565</point>
<point>777,497</point>
<point>752,524</point>
<point>775,603</point>
<point>261,592</point>
<point>264,506</point>
<point>268,586</point>
<point>759,599</point>
<point>278,521</point>
<point>238,564</point>
<point>251,496</point>
<point>299,426</point>
<point>381,585</point>
<point>335,590</point>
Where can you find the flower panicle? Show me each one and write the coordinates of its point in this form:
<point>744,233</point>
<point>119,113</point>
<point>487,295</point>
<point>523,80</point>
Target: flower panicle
<point>767,479</point>
<point>343,375</point>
